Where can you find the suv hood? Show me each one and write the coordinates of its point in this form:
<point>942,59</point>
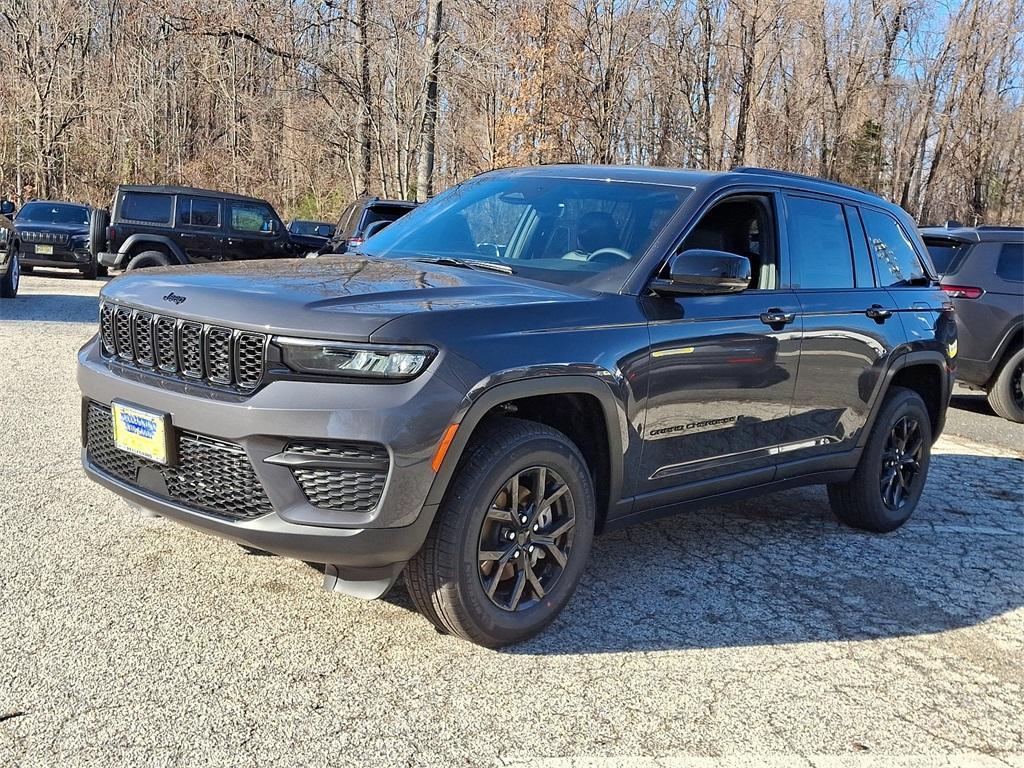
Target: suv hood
<point>42,226</point>
<point>337,297</point>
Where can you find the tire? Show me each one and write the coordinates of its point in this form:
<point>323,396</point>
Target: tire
<point>98,221</point>
<point>9,283</point>
<point>26,269</point>
<point>882,496</point>
<point>448,580</point>
<point>102,271</point>
<point>1005,395</point>
<point>90,271</point>
<point>149,259</point>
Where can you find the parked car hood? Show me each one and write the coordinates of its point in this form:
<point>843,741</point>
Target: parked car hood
<point>42,226</point>
<point>334,297</point>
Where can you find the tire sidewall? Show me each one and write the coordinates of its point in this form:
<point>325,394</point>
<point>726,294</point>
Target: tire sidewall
<point>1004,383</point>
<point>906,403</point>
<point>505,626</point>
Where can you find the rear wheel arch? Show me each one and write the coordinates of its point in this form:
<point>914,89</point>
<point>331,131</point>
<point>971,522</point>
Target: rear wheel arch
<point>925,374</point>
<point>137,245</point>
<point>581,407</point>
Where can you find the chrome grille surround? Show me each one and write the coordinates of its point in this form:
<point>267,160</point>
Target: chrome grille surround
<point>44,238</point>
<point>220,357</point>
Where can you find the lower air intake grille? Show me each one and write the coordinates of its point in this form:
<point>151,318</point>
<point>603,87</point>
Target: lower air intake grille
<point>342,489</point>
<point>350,479</point>
<point>211,475</point>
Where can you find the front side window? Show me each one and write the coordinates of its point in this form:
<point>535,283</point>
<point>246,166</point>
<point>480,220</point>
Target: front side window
<point>198,212</point>
<point>896,261</point>
<point>53,213</point>
<point>743,225</point>
<point>146,207</point>
<point>819,244</point>
<point>569,231</point>
<point>1011,262</point>
<point>252,217</point>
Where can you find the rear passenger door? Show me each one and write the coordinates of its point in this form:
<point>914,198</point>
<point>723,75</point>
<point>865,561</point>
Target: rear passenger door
<point>850,328</point>
<point>198,228</point>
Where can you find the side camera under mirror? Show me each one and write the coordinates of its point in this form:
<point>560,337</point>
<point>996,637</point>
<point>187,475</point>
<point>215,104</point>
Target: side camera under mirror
<point>701,272</point>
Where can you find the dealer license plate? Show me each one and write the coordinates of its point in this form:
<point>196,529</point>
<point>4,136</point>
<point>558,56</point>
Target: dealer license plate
<point>143,433</point>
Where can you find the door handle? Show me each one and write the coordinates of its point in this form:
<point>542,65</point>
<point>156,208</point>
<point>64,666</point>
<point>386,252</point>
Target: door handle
<point>878,312</point>
<point>776,316</point>
<point>187,236</point>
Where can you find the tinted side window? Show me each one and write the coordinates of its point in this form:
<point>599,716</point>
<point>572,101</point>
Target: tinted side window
<point>148,207</point>
<point>896,261</point>
<point>198,212</point>
<point>819,244</point>
<point>252,217</point>
<point>1011,262</point>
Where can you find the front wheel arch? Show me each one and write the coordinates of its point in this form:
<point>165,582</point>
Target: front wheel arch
<point>491,402</point>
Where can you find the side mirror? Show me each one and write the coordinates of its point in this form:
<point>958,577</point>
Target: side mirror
<point>700,271</point>
<point>6,208</point>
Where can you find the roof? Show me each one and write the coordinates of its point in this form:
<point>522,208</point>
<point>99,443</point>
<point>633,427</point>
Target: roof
<point>983,234</point>
<point>161,189</point>
<point>692,178</point>
<point>56,202</point>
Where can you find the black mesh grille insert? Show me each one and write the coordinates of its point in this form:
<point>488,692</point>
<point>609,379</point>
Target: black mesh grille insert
<point>347,490</point>
<point>123,333</point>
<point>223,357</point>
<point>211,475</point>
<point>144,338</point>
<point>355,488</point>
<point>167,344</point>
<point>250,355</point>
<point>107,329</point>
<point>190,344</point>
<point>218,354</point>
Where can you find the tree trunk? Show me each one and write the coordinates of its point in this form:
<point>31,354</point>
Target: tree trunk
<point>425,169</point>
<point>364,127</point>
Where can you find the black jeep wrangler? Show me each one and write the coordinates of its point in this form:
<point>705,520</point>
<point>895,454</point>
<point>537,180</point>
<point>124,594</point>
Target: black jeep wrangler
<point>152,226</point>
<point>530,358</point>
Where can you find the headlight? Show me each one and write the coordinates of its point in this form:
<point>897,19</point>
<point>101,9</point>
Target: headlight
<point>371,361</point>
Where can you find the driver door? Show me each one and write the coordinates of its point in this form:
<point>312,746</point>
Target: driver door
<point>722,368</point>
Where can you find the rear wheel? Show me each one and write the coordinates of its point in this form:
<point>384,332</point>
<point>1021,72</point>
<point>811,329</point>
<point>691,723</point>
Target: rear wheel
<point>9,282</point>
<point>90,271</point>
<point>890,477</point>
<point>1006,397</point>
<point>511,538</point>
<point>149,259</point>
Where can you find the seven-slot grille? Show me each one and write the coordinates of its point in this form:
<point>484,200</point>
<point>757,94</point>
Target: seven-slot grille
<point>211,475</point>
<point>44,238</point>
<point>220,356</point>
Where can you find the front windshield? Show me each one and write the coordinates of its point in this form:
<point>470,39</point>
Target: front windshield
<point>568,231</point>
<point>53,213</point>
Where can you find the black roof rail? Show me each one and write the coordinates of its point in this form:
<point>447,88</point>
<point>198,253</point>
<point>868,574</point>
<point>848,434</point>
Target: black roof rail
<point>802,177</point>
<point>999,227</point>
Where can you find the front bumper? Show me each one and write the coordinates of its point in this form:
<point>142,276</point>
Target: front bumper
<point>408,419</point>
<point>62,257</point>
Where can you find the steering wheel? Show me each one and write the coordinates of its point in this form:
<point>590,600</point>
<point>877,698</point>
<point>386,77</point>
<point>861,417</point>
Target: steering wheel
<point>601,255</point>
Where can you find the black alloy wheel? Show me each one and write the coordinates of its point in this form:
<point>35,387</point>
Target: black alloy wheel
<point>526,538</point>
<point>901,462</point>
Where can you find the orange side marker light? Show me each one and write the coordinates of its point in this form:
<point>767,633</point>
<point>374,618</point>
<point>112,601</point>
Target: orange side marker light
<point>442,448</point>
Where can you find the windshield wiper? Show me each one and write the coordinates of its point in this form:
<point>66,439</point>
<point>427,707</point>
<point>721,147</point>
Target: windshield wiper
<point>451,261</point>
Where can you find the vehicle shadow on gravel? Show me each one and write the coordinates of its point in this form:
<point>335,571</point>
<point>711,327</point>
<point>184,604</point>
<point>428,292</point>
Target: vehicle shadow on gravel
<point>782,570</point>
<point>50,308</point>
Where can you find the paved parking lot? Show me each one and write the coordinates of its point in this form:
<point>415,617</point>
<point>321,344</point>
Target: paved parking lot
<point>762,628</point>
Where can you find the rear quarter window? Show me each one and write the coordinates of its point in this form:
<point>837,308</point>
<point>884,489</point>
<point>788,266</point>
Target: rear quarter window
<point>1011,262</point>
<point>896,261</point>
<point>147,207</point>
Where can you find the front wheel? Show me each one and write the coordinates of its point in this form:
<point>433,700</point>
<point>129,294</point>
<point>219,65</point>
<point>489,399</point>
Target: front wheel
<point>511,538</point>
<point>9,282</point>
<point>891,474</point>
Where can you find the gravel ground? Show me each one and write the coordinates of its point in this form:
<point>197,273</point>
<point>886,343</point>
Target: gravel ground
<point>760,633</point>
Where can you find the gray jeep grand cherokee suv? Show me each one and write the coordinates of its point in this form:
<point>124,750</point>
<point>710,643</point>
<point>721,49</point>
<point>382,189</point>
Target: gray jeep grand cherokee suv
<point>533,357</point>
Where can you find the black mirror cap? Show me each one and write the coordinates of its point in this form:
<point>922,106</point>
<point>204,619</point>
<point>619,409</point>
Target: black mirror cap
<point>702,271</point>
<point>6,208</point>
